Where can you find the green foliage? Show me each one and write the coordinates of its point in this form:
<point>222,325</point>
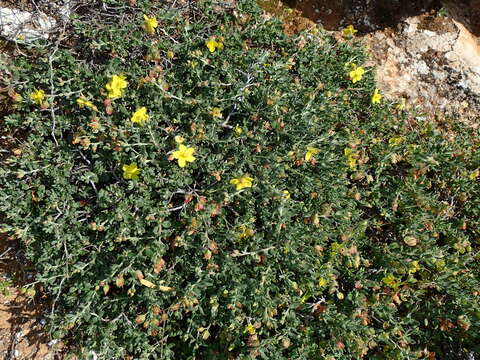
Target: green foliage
<point>373,251</point>
<point>4,286</point>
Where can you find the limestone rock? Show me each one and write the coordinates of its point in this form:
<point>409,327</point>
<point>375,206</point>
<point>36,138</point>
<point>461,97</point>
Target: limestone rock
<point>24,26</point>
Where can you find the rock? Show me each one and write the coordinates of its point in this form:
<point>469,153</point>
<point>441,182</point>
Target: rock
<point>431,61</point>
<point>466,12</point>
<point>28,27</point>
<point>52,342</point>
<point>24,26</point>
<point>466,49</point>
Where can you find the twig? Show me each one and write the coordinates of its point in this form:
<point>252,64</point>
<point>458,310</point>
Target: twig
<point>13,343</point>
<point>168,35</point>
<point>238,254</point>
<point>4,253</point>
<point>177,208</point>
<point>58,295</point>
<point>52,91</point>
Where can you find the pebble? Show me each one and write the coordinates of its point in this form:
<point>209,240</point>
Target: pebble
<point>52,342</point>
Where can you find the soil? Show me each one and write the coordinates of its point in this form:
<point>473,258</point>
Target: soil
<point>366,16</point>
<point>22,325</point>
<point>25,5</point>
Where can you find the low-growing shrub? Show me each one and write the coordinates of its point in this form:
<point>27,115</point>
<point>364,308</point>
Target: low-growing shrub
<point>210,188</point>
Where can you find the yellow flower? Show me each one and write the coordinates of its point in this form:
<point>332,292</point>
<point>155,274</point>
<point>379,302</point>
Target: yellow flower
<point>414,267</point>
<point>322,282</point>
<point>38,96</point>
<point>170,54</point>
<point>242,182</point>
<point>356,74</point>
<point>82,102</point>
<point>351,158</point>
<point>184,155</point>
<point>140,116</point>
<point>473,175</point>
<point>238,130</point>
<point>216,112</point>
<point>213,45</point>
<point>349,31</point>
<point>115,86</point>
<point>130,171</point>
<point>397,140</point>
<point>286,195</point>
<point>245,232</point>
<point>179,139</point>
<point>391,281</point>
<point>150,24</point>
<point>311,152</point>
<point>250,329</point>
<point>376,97</point>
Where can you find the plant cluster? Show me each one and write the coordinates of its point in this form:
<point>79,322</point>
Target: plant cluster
<point>197,185</point>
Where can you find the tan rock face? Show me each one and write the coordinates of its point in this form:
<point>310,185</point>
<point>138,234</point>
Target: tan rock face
<point>466,50</point>
<point>432,62</point>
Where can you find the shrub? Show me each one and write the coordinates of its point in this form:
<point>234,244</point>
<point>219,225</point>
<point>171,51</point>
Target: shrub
<point>306,223</point>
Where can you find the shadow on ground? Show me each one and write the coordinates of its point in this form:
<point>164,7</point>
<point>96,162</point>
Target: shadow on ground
<point>380,14</point>
<point>364,15</point>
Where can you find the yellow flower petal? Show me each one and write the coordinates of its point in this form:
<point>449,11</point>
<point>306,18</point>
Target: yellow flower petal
<point>150,24</point>
<point>311,152</point>
<point>213,45</point>
<point>349,31</point>
<point>242,182</point>
<point>130,171</point>
<point>183,155</point>
<point>115,86</point>
<point>216,112</point>
<point>140,116</point>
<point>356,74</point>
<point>38,96</point>
<point>376,97</point>
<point>189,151</point>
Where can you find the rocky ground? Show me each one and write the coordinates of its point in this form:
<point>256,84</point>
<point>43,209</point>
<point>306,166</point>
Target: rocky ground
<point>421,54</point>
